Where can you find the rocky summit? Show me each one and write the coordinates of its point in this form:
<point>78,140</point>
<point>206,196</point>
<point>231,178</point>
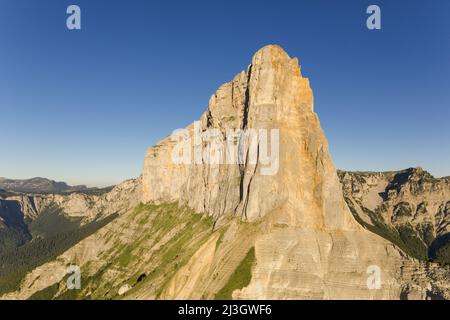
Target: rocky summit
<point>269,221</point>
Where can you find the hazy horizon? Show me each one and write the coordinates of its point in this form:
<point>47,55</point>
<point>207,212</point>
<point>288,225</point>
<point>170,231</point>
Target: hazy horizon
<point>83,106</point>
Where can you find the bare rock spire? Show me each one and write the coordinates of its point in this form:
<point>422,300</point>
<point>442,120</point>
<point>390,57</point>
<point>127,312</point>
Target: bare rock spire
<point>309,244</point>
<point>272,94</point>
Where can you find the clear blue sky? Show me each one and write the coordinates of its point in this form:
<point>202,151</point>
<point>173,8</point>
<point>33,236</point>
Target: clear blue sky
<point>83,106</point>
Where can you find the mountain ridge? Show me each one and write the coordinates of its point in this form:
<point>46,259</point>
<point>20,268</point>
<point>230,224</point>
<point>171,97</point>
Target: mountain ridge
<point>292,232</point>
<point>411,206</point>
<point>39,185</point>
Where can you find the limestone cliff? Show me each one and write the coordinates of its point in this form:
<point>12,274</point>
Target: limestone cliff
<point>251,229</point>
<point>308,245</point>
<point>272,94</point>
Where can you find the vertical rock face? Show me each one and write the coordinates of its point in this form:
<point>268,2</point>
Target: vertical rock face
<point>280,226</point>
<point>272,94</point>
<point>308,244</point>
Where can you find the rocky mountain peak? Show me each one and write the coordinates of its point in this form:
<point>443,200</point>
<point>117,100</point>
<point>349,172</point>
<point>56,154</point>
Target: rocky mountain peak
<point>299,206</point>
<point>275,78</point>
<point>419,173</point>
<point>271,96</point>
<point>272,51</point>
<point>250,191</point>
<point>273,56</point>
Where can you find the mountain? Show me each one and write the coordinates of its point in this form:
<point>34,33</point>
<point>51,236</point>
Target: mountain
<point>37,185</point>
<point>410,208</point>
<point>35,229</point>
<point>244,204</point>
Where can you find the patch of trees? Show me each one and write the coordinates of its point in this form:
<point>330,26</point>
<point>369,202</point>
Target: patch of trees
<point>54,235</point>
<point>418,244</point>
<point>440,249</point>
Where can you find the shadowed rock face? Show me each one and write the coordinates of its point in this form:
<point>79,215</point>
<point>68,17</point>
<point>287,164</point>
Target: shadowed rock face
<point>13,227</point>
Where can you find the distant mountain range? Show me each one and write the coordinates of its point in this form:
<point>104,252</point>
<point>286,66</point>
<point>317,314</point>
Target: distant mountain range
<point>4,193</point>
<point>38,185</point>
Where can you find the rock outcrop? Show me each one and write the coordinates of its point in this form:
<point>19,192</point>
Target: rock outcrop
<point>272,94</point>
<point>271,208</point>
<point>412,196</point>
<point>309,245</point>
<point>410,206</point>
